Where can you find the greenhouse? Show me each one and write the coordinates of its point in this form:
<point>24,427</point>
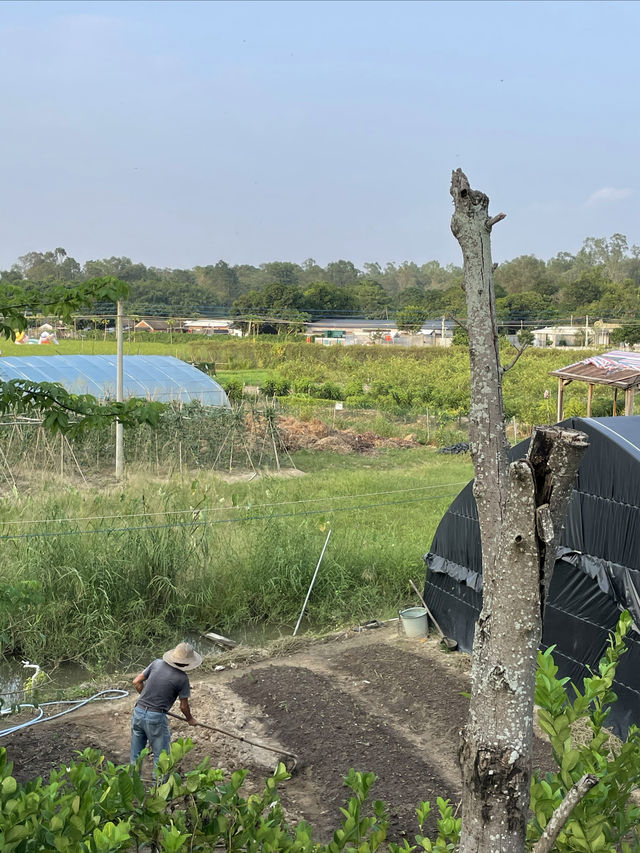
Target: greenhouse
<point>161,378</point>
<point>597,570</point>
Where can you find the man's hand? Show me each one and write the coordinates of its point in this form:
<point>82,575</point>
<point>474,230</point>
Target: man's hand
<point>186,710</point>
<point>138,682</point>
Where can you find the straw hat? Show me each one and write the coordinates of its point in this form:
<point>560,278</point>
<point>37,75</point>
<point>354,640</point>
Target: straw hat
<point>183,657</point>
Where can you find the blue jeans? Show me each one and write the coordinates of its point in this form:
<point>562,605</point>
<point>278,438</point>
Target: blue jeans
<point>149,727</point>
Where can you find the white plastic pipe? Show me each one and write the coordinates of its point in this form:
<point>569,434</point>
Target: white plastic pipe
<point>313,580</point>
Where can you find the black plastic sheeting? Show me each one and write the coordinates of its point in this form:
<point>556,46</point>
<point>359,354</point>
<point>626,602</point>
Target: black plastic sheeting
<point>597,571</point>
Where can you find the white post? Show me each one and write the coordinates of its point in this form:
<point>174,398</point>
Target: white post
<point>313,580</point>
<point>119,393</point>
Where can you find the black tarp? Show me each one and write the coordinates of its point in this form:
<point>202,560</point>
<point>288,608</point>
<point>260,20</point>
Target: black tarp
<point>597,571</point>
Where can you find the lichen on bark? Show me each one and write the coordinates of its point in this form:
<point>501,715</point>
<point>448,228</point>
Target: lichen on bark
<point>521,509</point>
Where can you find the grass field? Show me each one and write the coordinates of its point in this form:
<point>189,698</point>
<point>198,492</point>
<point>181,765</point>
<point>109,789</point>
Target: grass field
<point>120,569</point>
<point>181,349</point>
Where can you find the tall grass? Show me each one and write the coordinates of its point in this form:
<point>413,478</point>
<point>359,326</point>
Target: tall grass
<point>243,553</point>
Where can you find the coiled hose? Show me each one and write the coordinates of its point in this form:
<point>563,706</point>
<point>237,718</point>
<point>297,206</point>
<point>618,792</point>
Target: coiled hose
<point>103,695</point>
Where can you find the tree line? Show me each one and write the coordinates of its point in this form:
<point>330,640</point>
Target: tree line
<point>601,280</point>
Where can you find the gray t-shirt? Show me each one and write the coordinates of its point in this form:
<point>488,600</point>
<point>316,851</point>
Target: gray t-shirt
<point>163,684</point>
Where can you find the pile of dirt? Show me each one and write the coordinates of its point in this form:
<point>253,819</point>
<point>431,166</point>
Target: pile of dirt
<point>316,435</point>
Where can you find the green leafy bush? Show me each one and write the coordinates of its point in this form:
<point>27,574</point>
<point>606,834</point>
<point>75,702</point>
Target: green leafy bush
<point>606,818</point>
<point>233,388</point>
<point>329,391</point>
<point>93,806</point>
<point>304,385</point>
<point>352,388</point>
<point>359,401</point>
<point>276,386</point>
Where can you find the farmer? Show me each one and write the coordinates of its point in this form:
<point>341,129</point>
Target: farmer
<point>159,685</point>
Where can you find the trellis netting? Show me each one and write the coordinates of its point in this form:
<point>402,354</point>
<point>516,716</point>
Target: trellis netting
<point>187,437</point>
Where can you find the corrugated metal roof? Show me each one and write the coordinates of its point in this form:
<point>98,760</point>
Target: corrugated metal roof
<point>152,377</point>
<point>617,368</point>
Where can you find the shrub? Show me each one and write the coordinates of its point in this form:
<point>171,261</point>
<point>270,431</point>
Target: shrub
<point>447,435</point>
<point>276,386</point>
<point>353,388</point>
<point>94,805</point>
<point>329,391</point>
<point>359,401</point>
<point>234,389</point>
<point>606,818</point>
<point>304,385</point>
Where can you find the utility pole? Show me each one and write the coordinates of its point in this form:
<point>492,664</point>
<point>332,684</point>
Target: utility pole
<point>119,393</point>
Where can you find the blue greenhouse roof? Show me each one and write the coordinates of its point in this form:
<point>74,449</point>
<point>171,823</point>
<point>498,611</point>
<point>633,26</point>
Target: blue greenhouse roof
<point>152,377</point>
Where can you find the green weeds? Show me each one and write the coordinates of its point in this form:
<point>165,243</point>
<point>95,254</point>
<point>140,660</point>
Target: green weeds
<point>121,569</point>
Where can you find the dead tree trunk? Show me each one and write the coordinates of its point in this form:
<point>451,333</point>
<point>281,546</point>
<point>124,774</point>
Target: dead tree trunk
<point>521,509</point>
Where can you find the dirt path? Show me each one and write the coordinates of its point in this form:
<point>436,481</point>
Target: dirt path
<point>373,701</point>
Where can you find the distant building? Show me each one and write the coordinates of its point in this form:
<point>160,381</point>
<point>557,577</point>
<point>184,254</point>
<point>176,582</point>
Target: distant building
<point>151,324</point>
<point>358,331</point>
<point>208,326</point>
<point>596,335</point>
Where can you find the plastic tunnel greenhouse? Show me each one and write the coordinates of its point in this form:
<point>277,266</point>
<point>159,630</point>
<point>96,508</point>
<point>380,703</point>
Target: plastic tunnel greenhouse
<point>597,570</point>
<point>152,377</point>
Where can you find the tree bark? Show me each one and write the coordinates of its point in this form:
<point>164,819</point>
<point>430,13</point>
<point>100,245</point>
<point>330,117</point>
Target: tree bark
<point>521,509</point>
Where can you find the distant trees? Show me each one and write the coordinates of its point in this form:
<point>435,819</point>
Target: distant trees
<point>322,297</point>
<point>627,334</point>
<point>602,280</point>
<point>411,318</point>
<point>526,273</point>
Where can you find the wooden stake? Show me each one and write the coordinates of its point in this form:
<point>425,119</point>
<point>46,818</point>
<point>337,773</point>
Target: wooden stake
<point>560,411</point>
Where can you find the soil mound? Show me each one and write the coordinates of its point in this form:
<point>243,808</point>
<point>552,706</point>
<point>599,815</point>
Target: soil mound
<point>316,435</point>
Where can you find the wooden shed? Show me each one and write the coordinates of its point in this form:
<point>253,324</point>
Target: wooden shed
<point>618,369</point>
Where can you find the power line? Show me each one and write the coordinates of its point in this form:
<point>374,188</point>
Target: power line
<point>270,516</point>
<point>197,510</point>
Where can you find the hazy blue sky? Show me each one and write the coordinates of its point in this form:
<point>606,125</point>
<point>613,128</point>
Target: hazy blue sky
<point>178,133</point>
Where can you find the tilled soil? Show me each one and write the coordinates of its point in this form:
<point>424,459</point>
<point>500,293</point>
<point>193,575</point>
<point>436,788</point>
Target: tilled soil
<point>373,701</point>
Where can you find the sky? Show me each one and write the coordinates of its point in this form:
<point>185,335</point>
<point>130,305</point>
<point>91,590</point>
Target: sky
<point>181,133</point>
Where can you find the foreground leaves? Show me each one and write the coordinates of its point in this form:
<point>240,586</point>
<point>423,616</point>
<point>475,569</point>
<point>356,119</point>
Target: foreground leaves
<point>62,411</point>
<point>94,806</point>
<point>607,818</point>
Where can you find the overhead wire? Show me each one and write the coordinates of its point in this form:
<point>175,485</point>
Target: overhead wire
<point>211,523</point>
<point>196,510</point>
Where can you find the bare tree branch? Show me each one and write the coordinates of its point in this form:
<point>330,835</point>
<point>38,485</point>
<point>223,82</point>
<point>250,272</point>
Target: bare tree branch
<point>558,819</point>
<point>459,323</point>
<point>495,219</point>
<point>514,360</point>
